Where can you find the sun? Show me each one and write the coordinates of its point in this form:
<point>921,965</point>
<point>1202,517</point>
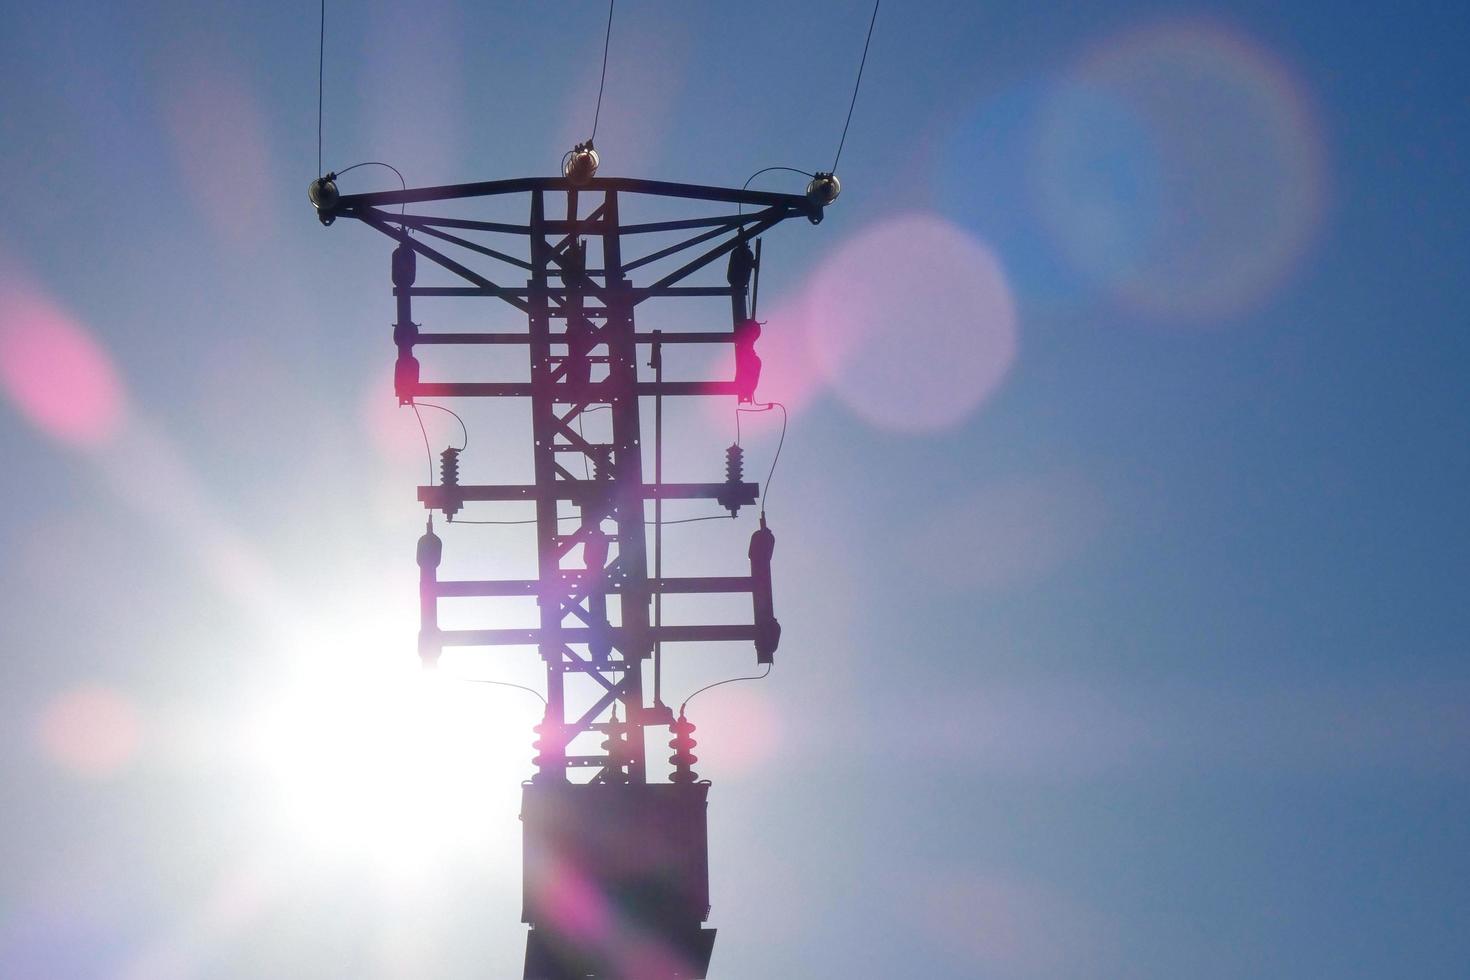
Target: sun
<point>370,758</point>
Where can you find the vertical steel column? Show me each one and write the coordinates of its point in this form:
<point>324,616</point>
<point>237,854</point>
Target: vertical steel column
<point>622,349</point>
<point>551,760</point>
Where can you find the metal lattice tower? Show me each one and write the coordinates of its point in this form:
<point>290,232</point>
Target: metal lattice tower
<point>640,846</point>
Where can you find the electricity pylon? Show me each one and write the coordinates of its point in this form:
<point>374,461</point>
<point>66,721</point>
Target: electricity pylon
<point>616,880</point>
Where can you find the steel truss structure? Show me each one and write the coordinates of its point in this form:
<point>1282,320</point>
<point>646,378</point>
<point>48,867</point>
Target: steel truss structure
<point>575,265</point>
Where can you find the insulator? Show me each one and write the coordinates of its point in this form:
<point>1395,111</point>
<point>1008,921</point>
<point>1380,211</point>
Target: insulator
<point>405,335</point>
<point>602,466</point>
<point>742,261</point>
<point>767,628</point>
<point>542,743</point>
<point>728,496</point>
<point>734,464</point>
<point>581,163</point>
<point>449,480</point>
<point>405,378</point>
<point>823,189</point>
<point>405,265</point>
<point>449,467</point>
<point>683,744</point>
<point>615,740</point>
<point>747,361</point>
<point>430,549</point>
<point>324,196</point>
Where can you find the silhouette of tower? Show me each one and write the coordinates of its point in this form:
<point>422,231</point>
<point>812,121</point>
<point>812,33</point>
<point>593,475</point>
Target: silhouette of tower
<point>616,877</point>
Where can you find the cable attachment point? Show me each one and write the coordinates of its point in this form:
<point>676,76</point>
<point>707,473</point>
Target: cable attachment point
<point>324,196</point>
<point>730,496</point>
<point>822,191</point>
<point>683,744</point>
<point>580,164</point>
<point>449,479</point>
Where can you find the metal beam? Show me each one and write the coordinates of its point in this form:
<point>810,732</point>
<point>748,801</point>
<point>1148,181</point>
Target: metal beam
<point>658,188</point>
<point>579,490</point>
<point>720,632</point>
<point>525,389</point>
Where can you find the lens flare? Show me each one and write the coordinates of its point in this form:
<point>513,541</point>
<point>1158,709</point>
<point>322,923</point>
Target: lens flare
<point>55,372</point>
<point>391,427</point>
<point>739,730</point>
<point>912,323</point>
<point>91,731</point>
<point>1180,166</point>
<point>985,171</point>
<point>219,136</point>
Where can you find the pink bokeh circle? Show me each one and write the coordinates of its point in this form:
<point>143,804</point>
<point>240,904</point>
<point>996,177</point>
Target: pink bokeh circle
<point>56,373</point>
<point>90,730</point>
<point>1181,166</point>
<point>911,322</point>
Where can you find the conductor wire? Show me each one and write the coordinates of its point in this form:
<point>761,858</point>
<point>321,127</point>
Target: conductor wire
<point>779,443</point>
<point>603,82</point>
<point>729,680</point>
<point>853,104</point>
<point>466,432</point>
<point>520,687</point>
<point>321,60</point>
<point>379,163</point>
<point>740,207</point>
<point>429,453</point>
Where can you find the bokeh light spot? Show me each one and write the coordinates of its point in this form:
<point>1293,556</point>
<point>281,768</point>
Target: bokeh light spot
<point>912,323</point>
<point>739,730</point>
<point>218,133</point>
<point>1180,167</point>
<point>55,372</point>
<point>390,427</point>
<point>91,730</point>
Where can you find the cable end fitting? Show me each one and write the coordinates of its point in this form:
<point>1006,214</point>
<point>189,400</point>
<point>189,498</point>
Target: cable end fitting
<point>821,192</point>
<point>580,165</point>
<point>324,196</point>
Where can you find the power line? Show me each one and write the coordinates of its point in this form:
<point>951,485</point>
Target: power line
<point>740,207</point>
<point>851,105</point>
<point>691,520</point>
<point>462,428</point>
<point>379,163</point>
<point>606,38</point>
<point>321,55</point>
<point>518,687</point>
<point>729,680</point>
<point>779,443</point>
<point>428,452</point>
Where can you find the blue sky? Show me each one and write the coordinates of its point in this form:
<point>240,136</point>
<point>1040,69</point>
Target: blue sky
<point>1121,527</point>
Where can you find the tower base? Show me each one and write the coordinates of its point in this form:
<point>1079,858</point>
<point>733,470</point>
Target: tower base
<point>616,881</point>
